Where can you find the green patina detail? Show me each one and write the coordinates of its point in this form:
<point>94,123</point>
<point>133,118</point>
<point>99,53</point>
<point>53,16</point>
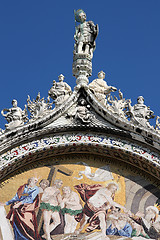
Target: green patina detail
<point>48,207</point>
<point>70,211</point>
<point>134,234</point>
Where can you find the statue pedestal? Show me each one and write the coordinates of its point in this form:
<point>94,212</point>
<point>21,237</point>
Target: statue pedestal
<point>82,67</point>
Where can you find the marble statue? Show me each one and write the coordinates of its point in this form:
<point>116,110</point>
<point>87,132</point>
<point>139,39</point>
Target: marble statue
<point>60,91</point>
<point>100,88</point>
<point>14,116</point>
<point>85,35</point>
<point>39,107</point>
<point>81,112</point>
<point>140,113</point>
<point>118,105</point>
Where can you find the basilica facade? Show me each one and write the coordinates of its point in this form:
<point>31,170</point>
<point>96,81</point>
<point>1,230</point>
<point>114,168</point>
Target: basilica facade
<point>81,164</point>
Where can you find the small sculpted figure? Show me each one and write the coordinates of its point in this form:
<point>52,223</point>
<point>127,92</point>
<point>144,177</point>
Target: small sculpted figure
<point>85,35</point>
<point>60,91</point>
<point>51,200</point>
<point>71,206</point>
<point>81,112</point>
<point>98,200</point>
<point>14,116</point>
<point>100,88</point>
<point>140,113</point>
<point>39,107</point>
<point>22,214</point>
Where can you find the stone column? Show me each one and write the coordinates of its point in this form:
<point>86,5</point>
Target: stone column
<point>82,67</point>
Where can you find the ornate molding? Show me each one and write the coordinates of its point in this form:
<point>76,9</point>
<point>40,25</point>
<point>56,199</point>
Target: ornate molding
<point>124,150</point>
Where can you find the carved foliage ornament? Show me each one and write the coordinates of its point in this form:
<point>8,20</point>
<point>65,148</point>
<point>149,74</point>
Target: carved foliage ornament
<point>39,107</point>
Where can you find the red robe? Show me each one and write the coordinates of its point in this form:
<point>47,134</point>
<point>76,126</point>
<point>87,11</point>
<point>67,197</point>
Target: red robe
<point>86,191</point>
<point>23,218</point>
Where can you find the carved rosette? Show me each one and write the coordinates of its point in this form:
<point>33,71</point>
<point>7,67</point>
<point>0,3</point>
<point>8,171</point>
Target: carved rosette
<point>82,67</point>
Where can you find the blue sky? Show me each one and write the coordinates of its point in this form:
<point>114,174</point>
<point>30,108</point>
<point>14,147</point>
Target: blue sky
<point>36,45</point>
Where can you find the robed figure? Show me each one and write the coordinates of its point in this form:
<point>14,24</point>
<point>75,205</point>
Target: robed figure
<point>22,213</point>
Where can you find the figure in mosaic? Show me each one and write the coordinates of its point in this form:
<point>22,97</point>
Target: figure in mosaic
<point>43,184</point>
<point>50,205</point>
<point>140,113</point>
<point>118,223</point>
<point>100,88</point>
<point>98,200</point>
<point>14,116</point>
<point>60,91</point>
<point>85,35</point>
<point>71,206</point>
<point>149,223</point>
<point>22,213</point>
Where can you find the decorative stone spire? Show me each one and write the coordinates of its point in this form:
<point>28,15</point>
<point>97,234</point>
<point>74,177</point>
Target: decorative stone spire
<point>85,36</point>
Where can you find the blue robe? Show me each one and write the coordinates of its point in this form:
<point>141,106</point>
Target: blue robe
<point>125,232</point>
<point>23,218</point>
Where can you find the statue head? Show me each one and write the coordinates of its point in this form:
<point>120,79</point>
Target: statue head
<point>80,16</point>
<point>61,77</point>
<point>14,103</point>
<point>101,75</point>
<point>140,100</point>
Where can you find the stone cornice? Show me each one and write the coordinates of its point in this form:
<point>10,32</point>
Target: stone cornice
<point>39,127</point>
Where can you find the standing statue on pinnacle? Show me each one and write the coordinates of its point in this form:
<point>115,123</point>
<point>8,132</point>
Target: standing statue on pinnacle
<point>85,35</point>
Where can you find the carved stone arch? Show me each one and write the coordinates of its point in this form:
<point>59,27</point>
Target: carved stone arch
<point>99,144</point>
